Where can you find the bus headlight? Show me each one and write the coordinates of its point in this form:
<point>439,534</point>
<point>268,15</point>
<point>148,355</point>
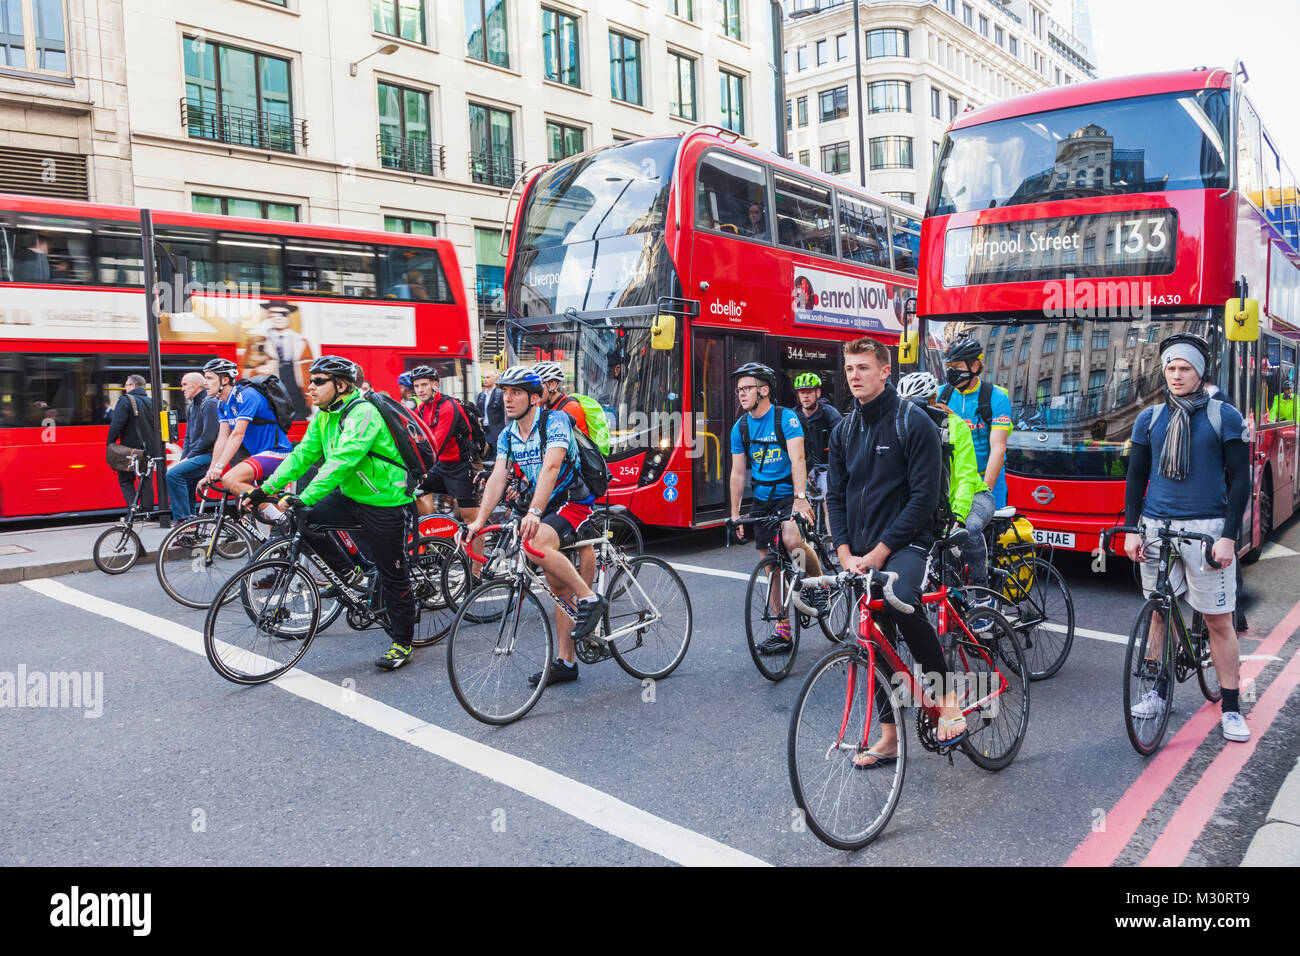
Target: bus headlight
<point>652,467</point>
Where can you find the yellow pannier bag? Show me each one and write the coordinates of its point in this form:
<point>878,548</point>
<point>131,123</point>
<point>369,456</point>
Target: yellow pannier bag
<point>1017,546</point>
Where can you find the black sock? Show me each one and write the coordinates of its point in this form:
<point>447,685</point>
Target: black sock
<point>1231,700</point>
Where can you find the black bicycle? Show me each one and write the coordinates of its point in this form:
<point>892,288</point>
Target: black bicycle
<point>262,621</point>
<point>1152,663</point>
<point>118,548</point>
<point>198,555</point>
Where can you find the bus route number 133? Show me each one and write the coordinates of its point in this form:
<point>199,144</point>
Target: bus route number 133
<point>1136,236</point>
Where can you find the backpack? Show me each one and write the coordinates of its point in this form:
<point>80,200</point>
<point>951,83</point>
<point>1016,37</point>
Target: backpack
<point>462,429</point>
<point>1213,411</point>
<point>277,397</point>
<point>597,423</point>
<point>780,440</point>
<point>477,430</point>
<point>985,407</point>
<point>412,436</point>
<point>591,463</point>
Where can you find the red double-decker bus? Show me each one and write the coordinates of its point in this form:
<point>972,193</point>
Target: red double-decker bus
<point>756,259</point>
<point>269,295</point>
<point>1073,230</point>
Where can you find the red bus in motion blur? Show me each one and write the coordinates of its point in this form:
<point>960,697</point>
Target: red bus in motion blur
<point>756,258</point>
<point>269,295</point>
<point>1073,230</point>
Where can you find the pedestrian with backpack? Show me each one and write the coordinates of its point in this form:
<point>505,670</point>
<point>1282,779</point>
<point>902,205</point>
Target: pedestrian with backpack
<point>453,443</point>
<point>883,494</point>
<point>984,408</point>
<point>251,439</point>
<point>361,483</point>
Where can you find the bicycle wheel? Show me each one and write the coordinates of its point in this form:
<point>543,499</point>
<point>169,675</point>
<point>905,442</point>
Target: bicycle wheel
<point>990,668</point>
<point>761,619</point>
<point>625,535</point>
<point>1142,675</point>
<point>846,806</point>
<point>252,635</point>
<point>278,550</point>
<point>839,614</point>
<point>1044,618</point>
<point>195,560</point>
<point>1206,675</point>
<point>117,550</point>
<point>649,591</point>
<point>500,638</point>
<point>440,575</point>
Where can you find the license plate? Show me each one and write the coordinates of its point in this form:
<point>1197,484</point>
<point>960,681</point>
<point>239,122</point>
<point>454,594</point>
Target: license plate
<point>1059,539</point>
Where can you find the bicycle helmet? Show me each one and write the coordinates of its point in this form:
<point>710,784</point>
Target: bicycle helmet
<point>221,366</point>
<point>424,371</point>
<point>335,366</point>
<point>404,380</point>
<point>549,372</point>
<point>521,376</point>
<point>807,380</point>
<point>758,370</point>
<point>918,386</point>
<point>965,348</point>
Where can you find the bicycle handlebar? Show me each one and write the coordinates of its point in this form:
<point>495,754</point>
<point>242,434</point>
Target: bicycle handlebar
<point>835,580</point>
<point>1167,533</point>
<point>497,527</point>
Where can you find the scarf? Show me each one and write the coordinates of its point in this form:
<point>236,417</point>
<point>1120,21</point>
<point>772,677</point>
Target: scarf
<point>1175,456</point>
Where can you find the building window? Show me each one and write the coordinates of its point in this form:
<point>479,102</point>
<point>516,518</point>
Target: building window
<point>560,47</point>
<point>984,25</point>
<point>247,208</point>
<point>936,103</point>
<point>399,18</point>
<point>1024,347</point>
<point>887,43</point>
<point>967,15</point>
<point>729,18</point>
<point>681,95</point>
<point>934,151</point>
<point>950,6</point>
<point>842,47</point>
<point>1058,76</point>
<point>834,104</point>
<point>489,271</point>
<point>1073,341</point>
<point>682,8</point>
<point>952,107</point>
<point>891,152</point>
<point>789,115</point>
<point>823,52</point>
<point>733,102</point>
<point>889,96</point>
<point>32,36</point>
<point>805,157</point>
<point>239,97</point>
<point>406,130</point>
<point>802,107</point>
<point>909,198</point>
<point>492,146</point>
<point>998,36</point>
<point>1049,343</point>
<point>1100,338</point>
<point>801,57</point>
<point>1013,46</point>
<point>487,34</point>
<point>563,141</point>
<point>624,68</point>
<point>412,227</point>
<point>835,158</point>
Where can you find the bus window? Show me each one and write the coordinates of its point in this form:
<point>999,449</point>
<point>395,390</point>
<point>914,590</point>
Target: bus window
<point>330,268</point>
<point>411,273</point>
<point>117,255</point>
<point>247,259</point>
<point>47,249</point>
<point>731,196</point>
<point>864,232</point>
<point>907,243</point>
<point>803,216</point>
<point>1249,175</point>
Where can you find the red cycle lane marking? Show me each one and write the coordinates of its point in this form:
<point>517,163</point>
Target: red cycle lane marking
<point>1103,847</point>
<point>1192,816</point>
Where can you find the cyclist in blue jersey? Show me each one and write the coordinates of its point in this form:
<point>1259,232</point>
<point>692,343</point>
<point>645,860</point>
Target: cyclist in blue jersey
<point>770,441</point>
<point>560,503</point>
<point>985,408</point>
<point>247,424</point>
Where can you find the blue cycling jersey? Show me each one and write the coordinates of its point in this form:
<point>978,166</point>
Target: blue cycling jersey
<point>246,404</point>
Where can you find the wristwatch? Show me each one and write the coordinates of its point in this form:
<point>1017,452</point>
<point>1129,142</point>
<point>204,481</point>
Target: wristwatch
<point>802,495</point>
<point>535,511</point>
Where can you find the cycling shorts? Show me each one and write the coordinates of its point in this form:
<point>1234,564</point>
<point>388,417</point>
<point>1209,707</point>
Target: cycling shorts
<point>566,519</point>
<point>773,512</point>
<point>453,478</point>
<point>265,463</point>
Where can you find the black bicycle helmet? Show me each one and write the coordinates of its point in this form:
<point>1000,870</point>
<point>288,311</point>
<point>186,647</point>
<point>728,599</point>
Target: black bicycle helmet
<point>965,348</point>
<point>425,371</point>
<point>336,367</point>
<point>521,376</point>
<point>222,366</point>
<point>758,370</point>
<point>1187,338</point>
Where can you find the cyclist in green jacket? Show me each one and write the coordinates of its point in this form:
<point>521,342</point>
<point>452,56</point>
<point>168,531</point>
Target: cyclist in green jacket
<point>361,484</point>
<point>969,498</point>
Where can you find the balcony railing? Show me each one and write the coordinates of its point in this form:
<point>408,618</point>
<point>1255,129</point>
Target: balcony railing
<point>243,127</point>
<point>414,155</point>
<point>495,169</point>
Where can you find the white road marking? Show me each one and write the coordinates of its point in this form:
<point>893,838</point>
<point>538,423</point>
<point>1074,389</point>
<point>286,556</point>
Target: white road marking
<point>1260,657</point>
<point>591,806</point>
<point>1275,550</point>
<point>715,572</point>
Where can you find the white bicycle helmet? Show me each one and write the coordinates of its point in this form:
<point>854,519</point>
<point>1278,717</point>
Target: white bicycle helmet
<point>549,372</point>
<point>917,386</point>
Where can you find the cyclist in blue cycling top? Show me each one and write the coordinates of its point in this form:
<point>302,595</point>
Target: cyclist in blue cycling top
<point>985,408</point>
<point>247,423</point>
<point>559,505</point>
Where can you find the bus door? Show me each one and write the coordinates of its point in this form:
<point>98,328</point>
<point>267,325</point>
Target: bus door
<point>1277,432</point>
<point>793,357</point>
<point>715,354</point>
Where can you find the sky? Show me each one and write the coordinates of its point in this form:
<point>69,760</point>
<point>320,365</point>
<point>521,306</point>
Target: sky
<point>1148,36</point>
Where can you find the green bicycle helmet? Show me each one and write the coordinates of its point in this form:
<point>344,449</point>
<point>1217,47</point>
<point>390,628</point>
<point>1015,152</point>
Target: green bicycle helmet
<point>807,380</point>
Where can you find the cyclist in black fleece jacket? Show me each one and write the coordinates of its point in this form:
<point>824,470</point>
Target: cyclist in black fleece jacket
<point>881,499</point>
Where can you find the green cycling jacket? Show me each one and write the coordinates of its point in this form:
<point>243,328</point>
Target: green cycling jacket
<point>964,479</point>
<point>351,458</point>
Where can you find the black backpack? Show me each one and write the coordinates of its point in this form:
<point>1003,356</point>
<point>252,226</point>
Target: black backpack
<point>780,440</point>
<point>412,436</point>
<point>477,431</point>
<point>468,438</point>
<point>277,396</point>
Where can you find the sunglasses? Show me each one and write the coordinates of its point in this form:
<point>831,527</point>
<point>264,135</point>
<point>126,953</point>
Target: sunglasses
<point>320,381</point>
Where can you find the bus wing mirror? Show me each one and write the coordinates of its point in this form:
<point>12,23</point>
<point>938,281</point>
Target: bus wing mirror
<point>1241,320</point>
<point>499,360</point>
<point>909,348</point>
<point>663,334</point>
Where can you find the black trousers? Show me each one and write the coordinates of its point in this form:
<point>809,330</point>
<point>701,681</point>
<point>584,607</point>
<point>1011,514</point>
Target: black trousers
<point>381,532</point>
<point>127,480</point>
<point>915,628</point>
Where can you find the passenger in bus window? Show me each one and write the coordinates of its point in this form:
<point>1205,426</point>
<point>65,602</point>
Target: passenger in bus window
<point>756,227</point>
<point>790,234</point>
<point>32,260</point>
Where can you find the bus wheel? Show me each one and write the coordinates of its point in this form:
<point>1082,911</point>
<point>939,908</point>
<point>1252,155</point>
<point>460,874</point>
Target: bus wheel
<point>1265,522</point>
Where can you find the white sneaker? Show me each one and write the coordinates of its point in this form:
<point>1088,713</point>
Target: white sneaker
<point>1234,726</point>
<point>1149,706</point>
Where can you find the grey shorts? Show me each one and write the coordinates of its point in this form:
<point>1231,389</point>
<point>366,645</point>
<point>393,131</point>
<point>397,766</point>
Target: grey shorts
<point>1207,590</point>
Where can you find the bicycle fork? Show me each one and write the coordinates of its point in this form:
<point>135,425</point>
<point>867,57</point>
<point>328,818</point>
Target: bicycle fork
<point>851,686</point>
